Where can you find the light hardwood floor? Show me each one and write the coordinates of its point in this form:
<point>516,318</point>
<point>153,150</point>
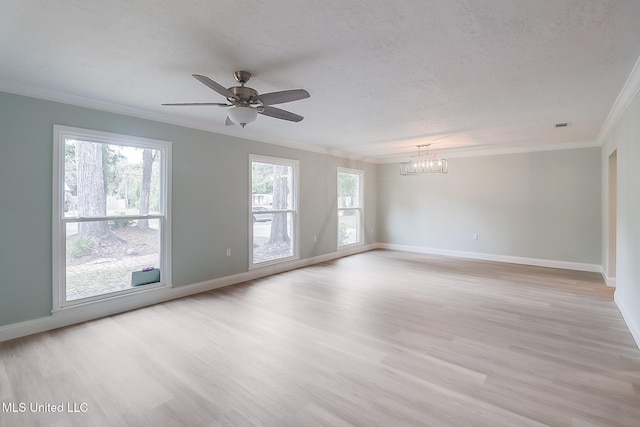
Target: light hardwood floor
<point>382,338</point>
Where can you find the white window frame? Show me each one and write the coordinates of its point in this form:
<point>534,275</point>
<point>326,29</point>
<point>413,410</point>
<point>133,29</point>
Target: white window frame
<point>295,164</point>
<point>360,207</point>
<point>60,135</point>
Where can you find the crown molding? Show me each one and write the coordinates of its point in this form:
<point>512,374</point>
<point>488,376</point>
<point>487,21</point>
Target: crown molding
<point>492,150</point>
<point>109,107</point>
<point>626,95</point>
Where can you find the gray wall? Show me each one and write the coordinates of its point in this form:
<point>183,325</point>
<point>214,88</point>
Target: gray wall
<point>210,198</point>
<point>543,205</point>
<point>625,138</point>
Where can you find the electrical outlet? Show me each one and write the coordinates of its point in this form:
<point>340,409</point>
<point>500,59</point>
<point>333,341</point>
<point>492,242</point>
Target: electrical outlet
<point>228,252</point>
<point>475,236</point>
<point>315,238</point>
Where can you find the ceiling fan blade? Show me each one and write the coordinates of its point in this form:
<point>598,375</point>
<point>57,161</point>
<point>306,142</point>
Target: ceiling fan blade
<point>280,114</point>
<point>215,86</point>
<point>219,104</point>
<point>283,96</point>
<point>229,122</point>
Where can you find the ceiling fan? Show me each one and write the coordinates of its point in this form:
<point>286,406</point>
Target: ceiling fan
<point>245,103</point>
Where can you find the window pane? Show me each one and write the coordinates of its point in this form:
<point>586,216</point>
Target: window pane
<point>348,190</point>
<point>272,186</point>
<point>101,255</point>
<point>109,179</point>
<point>348,226</point>
<point>273,239</point>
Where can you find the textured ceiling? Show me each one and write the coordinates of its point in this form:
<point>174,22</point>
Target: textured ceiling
<point>383,75</point>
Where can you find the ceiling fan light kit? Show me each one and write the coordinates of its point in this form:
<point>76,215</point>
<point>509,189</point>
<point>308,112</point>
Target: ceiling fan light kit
<point>246,103</point>
<point>424,164</point>
<point>242,115</point>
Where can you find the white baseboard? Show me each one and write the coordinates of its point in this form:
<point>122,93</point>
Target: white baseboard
<point>610,281</point>
<point>121,304</point>
<point>632,324</point>
<point>130,302</point>
<point>567,265</point>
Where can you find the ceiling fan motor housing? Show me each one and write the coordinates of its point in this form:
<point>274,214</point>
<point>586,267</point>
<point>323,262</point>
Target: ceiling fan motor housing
<point>245,94</point>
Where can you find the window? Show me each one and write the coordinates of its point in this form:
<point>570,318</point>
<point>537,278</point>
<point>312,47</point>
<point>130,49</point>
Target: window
<point>350,184</point>
<point>111,229</point>
<point>273,231</point>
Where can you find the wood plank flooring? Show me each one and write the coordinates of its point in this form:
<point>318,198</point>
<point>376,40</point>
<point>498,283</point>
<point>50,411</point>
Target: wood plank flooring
<point>382,338</point>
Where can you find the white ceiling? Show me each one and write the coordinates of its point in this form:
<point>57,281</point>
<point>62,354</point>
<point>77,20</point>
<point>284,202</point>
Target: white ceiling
<point>383,75</point>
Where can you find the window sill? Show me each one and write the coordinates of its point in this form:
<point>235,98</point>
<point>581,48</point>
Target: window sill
<point>118,301</point>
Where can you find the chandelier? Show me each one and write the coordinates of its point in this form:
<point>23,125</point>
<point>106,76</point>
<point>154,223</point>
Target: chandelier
<point>423,164</point>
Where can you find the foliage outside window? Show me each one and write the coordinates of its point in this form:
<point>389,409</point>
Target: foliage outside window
<point>111,228</point>
<point>273,210</point>
<point>349,206</point>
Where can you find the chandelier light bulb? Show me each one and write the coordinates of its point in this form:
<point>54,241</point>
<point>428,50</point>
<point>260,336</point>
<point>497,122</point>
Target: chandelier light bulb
<point>423,164</point>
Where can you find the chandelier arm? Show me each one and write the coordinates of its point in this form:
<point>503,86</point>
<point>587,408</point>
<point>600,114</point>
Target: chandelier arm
<point>423,164</point>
